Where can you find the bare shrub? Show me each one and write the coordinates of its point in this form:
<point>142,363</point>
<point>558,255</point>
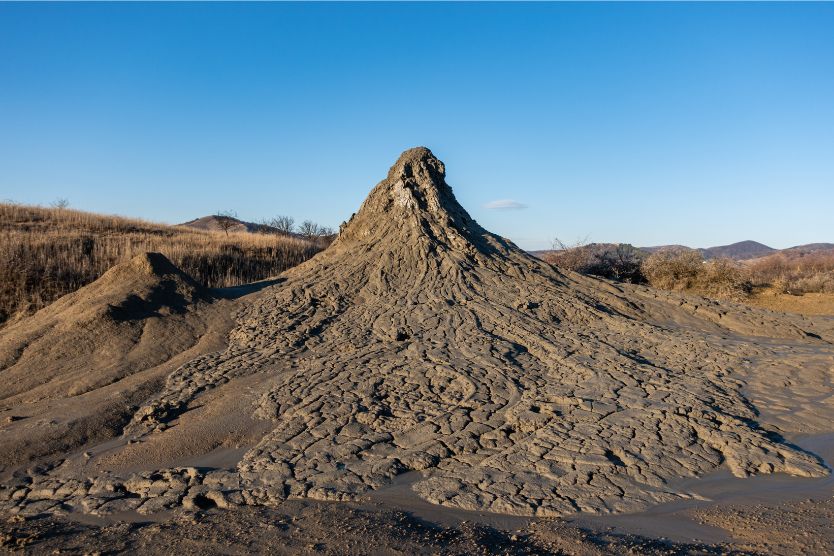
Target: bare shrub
<point>620,262</point>
<point>614,261</point>
<point>685,269</point>
<point>795,274</point>
<point>46,253</point>
<point>673,269</point>
<point>821,282</point>
<point>574,257</point>
<point>724,278</point>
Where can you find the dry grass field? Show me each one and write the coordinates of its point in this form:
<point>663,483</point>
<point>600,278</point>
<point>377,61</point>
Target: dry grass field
<point>795,274</point>
<point>48,252</point>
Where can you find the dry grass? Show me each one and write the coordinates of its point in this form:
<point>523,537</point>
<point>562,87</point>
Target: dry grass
<point>797,274</point>
<point>673,269</point>
<point>48,252</point>
<point>780,274</point>
<point>686,270</point>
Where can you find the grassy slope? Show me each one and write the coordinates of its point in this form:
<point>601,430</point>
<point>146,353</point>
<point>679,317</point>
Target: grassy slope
<point>46,253</point>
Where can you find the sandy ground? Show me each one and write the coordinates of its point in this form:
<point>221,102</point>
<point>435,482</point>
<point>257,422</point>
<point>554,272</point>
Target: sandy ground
<point>297,527</point>
<point>806,304</point>
<point>423,385</point>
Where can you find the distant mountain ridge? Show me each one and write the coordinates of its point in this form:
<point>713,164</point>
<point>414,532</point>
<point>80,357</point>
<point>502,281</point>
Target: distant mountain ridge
<point>808,248</point>
<point>742,250</point>
<point>739,251</point>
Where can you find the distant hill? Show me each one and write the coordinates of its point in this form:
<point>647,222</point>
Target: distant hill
<point>654,248</point>
<point>738,251</point>
<point>213,223</point>
<point>808,248</point>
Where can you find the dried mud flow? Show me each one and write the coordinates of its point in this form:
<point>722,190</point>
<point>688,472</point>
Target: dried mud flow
<point>74,373</point>
<point>419,342</point>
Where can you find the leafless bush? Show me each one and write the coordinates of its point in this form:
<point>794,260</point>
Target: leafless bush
<point>822,282</point>
<point>622,262</point>
<point>46,253</point>
<point>685,269</point>
<point>724,278</point>
<point>574,257</point>
<point>673,269</point>
<point>614,261</point>
<point>795,274</point>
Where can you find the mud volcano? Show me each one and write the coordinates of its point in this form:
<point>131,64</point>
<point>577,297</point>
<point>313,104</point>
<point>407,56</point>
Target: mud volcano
<point>421,342</point>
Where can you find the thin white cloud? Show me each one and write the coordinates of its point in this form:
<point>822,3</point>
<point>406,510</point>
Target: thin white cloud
<point>505,204</point>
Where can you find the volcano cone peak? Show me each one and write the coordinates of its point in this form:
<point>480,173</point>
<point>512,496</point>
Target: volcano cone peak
<point>414,208</point>
<point>417,161</point>
<point>417,182</point>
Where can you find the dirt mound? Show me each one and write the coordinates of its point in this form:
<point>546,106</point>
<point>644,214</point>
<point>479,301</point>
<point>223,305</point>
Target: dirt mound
<point>420,342</point>
<point>137,316</point>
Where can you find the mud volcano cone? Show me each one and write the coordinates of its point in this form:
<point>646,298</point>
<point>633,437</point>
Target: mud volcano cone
<point>421,342</point>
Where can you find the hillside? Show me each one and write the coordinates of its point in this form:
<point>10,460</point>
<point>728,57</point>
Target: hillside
<point>308,230</point>
<point>808,248</point>
<point>655,248</point>
<point>738,251</point>
<point>98,351</point>
<point>744,250</point>
<point>215,223</point>
<point>741,250</point>
<point>46,253</point>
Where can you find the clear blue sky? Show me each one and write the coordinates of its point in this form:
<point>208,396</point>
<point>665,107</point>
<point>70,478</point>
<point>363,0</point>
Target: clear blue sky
<point>699,124</point>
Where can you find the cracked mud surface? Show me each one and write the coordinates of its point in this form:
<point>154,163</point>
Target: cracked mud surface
<point>420,342</point>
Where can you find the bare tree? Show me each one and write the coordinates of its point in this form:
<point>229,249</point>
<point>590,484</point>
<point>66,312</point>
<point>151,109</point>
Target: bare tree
<point>285,224</point>
<point>226,219</point>
<point>60,203</point>
<point>320,235</point>
<point>308,229</point>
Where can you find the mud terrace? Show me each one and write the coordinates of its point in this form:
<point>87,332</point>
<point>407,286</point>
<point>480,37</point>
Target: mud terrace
<point>421,342</point>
